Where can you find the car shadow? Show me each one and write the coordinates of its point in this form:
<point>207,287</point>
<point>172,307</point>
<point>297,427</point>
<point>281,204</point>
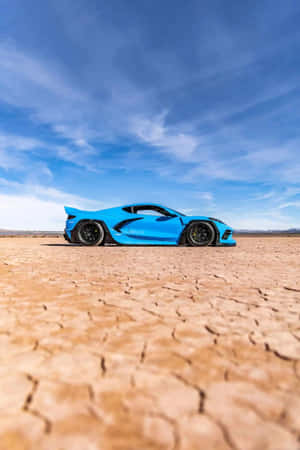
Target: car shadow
<point>133,245</point>
<point>60,245</point>
<point>107,245</point>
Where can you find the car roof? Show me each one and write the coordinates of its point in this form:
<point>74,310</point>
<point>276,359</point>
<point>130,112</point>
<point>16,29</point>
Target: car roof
<point>146,204</point>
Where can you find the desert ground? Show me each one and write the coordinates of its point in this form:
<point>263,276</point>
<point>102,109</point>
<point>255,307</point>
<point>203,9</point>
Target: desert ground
<point>133,348</point>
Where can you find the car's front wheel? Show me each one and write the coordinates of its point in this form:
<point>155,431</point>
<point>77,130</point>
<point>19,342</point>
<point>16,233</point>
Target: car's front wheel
<point>90,233</point>
<point>200,234</point>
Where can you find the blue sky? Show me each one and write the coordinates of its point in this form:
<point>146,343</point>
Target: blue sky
<point>194,104</point>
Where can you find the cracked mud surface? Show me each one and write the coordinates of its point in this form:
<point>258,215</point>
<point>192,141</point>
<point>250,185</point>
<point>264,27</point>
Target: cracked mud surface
<point>128,348</point>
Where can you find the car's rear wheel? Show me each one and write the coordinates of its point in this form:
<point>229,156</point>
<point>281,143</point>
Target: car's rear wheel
<point>200,234</point>
<point>90,233</point>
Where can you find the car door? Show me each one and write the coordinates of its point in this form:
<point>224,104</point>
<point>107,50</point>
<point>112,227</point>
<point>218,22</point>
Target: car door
<point>156,227</point>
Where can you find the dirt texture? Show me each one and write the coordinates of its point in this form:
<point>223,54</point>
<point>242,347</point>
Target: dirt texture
<point>133,348</point>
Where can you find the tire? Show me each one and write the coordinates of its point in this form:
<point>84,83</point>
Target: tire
<point>90,233</point>
<point>200,234</point>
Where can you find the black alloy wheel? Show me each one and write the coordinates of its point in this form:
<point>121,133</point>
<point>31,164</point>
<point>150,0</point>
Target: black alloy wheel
<point>200,234</point>
<point>90,233</point>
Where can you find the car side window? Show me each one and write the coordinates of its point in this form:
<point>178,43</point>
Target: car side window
<point>148,212</point>
<point>151,211</point>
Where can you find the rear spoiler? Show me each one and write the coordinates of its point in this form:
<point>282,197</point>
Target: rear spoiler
<point>72,211</point>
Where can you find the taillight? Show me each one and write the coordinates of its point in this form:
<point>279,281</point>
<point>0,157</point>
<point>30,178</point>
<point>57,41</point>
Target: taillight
<point>71,217</point>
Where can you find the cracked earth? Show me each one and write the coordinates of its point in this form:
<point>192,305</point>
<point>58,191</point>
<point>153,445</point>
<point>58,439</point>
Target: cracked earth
<point>128,348</point>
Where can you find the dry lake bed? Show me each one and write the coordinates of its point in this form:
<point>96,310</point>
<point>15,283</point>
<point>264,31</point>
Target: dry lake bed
<point>137,348</point>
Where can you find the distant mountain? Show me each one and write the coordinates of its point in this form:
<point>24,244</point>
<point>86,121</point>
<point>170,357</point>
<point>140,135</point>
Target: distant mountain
<point>4,232</point>
<point>289,231</point>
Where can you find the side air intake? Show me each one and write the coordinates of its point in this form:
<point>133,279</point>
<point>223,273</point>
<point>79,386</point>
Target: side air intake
<point>226,234</point>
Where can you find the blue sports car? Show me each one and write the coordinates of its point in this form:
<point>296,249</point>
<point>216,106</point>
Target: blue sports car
<point>144,224</point>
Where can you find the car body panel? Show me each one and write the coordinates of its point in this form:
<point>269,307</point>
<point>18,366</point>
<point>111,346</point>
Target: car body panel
<point>156,228</point>
<point>129,228</point>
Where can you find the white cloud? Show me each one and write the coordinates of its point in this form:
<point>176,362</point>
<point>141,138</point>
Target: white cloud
<point>10,148</point>
<point>154,132</point>
<point>22,212</point>
<point>292,191</point>
<point>16,153</point>
<point>45,90</point>
<point>48,192</point>
<point>277,196</point>
<point>291,172</point>
<point>75,157</point>
<point>215,167</point>
<point>38,207</point>
<point>259,220</point>
<point>207,196</point>
<point>31,71</point>
<point>265,196</point>
<point>13,142</point>
<point>10,161</point>
<point>295,204</point>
